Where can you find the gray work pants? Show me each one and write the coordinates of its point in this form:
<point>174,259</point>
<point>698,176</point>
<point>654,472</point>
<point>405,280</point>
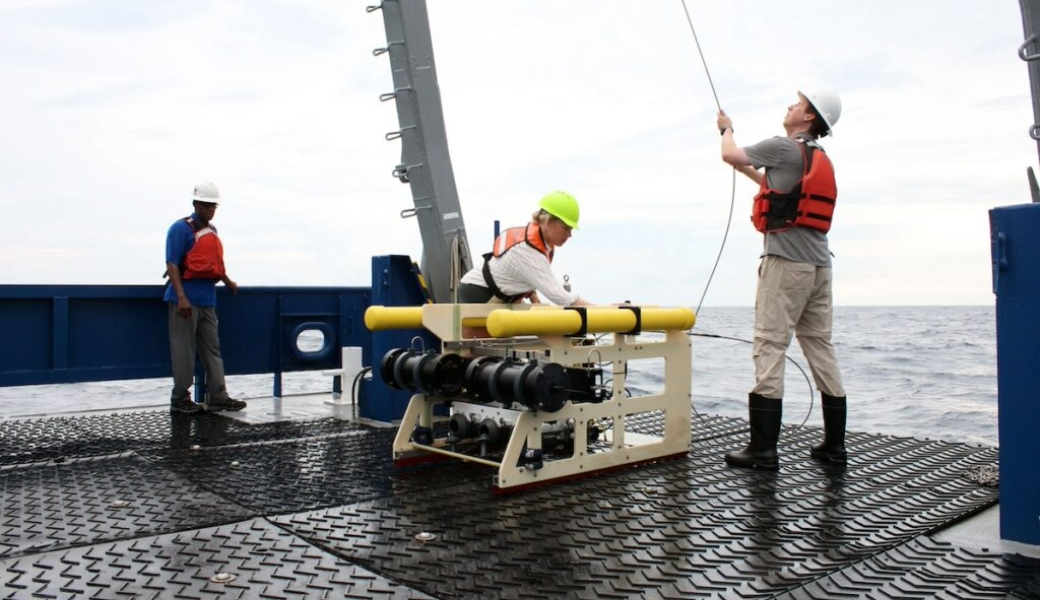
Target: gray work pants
<point>186,335</point>
<point>794,297</point>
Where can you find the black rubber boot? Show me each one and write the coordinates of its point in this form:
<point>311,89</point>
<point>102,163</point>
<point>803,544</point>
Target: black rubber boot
<point>832,449</point>
<point>764,414</point>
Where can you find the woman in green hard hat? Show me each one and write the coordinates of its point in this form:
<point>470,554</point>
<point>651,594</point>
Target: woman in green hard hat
<point>520,265</point>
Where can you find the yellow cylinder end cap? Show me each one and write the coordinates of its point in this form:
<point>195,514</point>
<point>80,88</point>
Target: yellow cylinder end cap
<point>500,324</point>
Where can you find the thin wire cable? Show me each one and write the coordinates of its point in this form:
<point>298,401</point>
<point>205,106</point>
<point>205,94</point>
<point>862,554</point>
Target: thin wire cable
<point>733,183</point>
<point>699,51</point>
<point>729,221</point>
<point>793,361</point>
<point>355,396</point>
<point>725,236</point>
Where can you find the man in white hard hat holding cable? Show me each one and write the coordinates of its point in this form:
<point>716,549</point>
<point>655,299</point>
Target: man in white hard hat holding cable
<point>194,264</point>
<point>793,209</point>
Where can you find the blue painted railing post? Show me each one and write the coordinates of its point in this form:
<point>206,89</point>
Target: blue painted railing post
<point>1015,249</point>
<point>61,333</point>
<point>276,390</point>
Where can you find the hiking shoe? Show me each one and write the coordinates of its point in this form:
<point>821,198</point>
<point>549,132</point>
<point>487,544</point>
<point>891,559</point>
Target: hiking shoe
<point>185,406</point>
<point>225,404</point>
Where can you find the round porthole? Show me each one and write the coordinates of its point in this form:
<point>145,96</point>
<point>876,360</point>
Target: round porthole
<point>311,342</point>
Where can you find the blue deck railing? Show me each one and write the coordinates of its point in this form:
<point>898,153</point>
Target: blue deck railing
<point>69,333</point>
<point>77,333</point>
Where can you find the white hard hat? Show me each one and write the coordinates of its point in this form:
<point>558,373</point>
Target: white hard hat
<point>827,104</point>
<point>206,191</point>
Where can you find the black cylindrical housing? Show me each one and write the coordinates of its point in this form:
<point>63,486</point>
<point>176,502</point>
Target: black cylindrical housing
<point>437,374</point>
<point>535,385</point>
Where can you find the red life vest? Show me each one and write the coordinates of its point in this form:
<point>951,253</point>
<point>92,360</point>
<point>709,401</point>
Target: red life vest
<point>205,260</point>
<point>508,239</point>
<point>809,204</point>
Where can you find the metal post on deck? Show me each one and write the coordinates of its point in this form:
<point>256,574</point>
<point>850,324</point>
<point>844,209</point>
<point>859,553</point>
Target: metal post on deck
<point>425,161</point>
<point>1016,282</point>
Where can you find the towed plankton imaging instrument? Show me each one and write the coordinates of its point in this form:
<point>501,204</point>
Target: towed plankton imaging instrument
<point>539,392</point>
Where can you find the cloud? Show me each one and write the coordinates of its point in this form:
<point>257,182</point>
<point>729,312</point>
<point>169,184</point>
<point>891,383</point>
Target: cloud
<point>119,107</point>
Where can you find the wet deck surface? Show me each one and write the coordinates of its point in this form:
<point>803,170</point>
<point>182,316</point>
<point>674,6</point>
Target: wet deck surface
<point>146,505</point>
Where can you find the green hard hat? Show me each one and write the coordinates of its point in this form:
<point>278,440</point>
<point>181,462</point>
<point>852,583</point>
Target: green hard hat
<point>561,205</point>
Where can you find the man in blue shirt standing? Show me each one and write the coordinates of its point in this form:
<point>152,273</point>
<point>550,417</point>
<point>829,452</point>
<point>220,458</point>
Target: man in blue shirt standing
<point>194,264</point>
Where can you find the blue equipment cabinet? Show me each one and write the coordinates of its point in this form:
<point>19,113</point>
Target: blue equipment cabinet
<point>1015,247</point>
<point>395,282</point>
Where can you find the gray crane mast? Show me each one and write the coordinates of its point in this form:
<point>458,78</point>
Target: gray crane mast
<point>1029,51</point>
<point>425,160</point>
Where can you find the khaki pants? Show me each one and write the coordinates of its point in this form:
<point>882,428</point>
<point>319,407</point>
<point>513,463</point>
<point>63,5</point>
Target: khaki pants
<point>186,335</point>
<point>796,298</point>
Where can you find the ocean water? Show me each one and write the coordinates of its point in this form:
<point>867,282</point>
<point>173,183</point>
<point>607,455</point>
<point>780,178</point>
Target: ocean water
<point>924,372</point>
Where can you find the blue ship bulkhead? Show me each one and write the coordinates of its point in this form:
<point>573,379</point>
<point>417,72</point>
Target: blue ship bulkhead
<point>77,333</point>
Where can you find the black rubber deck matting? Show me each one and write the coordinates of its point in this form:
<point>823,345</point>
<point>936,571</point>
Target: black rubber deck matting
<point>684,523</point>
<point>924,568</point>
<point>142,505</point>
<point>61,438</point>
<point>298,475</point>
<point>256,559</point>
<point>48,507</point>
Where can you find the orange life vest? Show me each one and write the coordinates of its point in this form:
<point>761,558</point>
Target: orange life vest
<point>205,260</point>
<point>809,204</point>
<point>532,235</point>
<point>508,239</point>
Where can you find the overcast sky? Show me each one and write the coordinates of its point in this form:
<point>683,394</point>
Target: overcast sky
<point>113,109</point>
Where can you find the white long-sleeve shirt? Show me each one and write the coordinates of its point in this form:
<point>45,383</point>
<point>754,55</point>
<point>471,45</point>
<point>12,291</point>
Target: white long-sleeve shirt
<point>521,270</point>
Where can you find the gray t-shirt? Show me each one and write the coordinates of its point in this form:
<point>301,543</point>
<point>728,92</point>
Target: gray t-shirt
<point>782,159</point>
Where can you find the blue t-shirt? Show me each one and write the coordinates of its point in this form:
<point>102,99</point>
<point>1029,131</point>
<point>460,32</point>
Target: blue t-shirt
<point>179,240</point>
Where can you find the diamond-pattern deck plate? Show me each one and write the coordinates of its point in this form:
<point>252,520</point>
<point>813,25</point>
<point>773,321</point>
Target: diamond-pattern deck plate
<point>54,439</point>
<point>49,507</point>
<point>924,568</point>
<point>265,562</point>
<point>708,427</point>
<point>298,475</point>
<point>691,525</point>
<point>702,427</point>
<point>686,528</point>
